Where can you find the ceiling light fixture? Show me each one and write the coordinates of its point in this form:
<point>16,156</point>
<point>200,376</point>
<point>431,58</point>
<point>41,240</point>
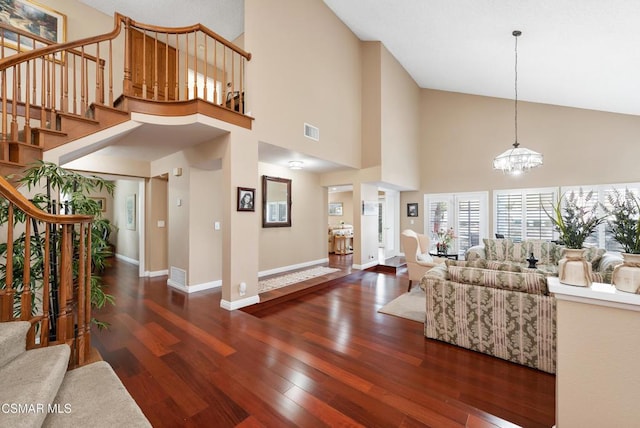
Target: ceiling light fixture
<point>517,160</point>
<point>295,164</point>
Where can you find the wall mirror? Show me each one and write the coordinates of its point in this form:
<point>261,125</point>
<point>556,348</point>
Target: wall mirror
<point>276,202</point>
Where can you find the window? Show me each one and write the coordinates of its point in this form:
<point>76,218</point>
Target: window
<point>603,237</point>
<point>467,213</point>
<point>522,213</point>
<point>211,84</point>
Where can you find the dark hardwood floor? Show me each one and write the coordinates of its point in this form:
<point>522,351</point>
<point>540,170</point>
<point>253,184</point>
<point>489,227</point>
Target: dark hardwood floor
<point>324,358</point>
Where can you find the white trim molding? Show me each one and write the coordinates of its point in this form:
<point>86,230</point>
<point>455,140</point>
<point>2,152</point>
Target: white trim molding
<point>237,304</point>
<point>156,273</point>
<point>291,267</point>
<point>127,259</point>
<point>194,288</point>
<point>366,265</point>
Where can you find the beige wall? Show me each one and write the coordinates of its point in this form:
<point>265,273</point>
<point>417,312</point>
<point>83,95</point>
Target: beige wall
<point>400,123</point>
<point>127,241</point>
<point>205,253</point>
<point>156,234</point>
<point>597,350</point>
<point>365,241</point>
<point>371,104</point>
<point>305,68</point>
<point>347,208</point>
<point>306,239</point>
<point>461,134</point>
<point>177,216</point>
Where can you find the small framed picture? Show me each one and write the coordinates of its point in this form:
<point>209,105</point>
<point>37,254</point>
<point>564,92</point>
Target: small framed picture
<point>102,203</point>
<point>246,199</point>
<point>335,208</point>
<point>412,209</point>
<point>370,207</point>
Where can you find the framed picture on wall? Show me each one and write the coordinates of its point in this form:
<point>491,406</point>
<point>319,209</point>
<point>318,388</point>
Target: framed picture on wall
<point>33,18</point>
<point>246,199</point>
<point>370,208</point>
<point>335,208</point>
<point>102,202</point>
<point>412,209</point>
<point>130,212</point>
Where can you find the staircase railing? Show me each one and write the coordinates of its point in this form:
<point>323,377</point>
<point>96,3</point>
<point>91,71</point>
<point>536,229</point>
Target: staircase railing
<point>143,61</point>
<point>32,287</point>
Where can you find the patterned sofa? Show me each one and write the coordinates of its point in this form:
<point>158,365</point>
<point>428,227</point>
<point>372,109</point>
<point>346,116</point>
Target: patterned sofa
<point>505,314</point>
<point>505,254</point>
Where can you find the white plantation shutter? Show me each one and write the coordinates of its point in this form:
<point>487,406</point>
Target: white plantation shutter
<point>438,217</point>
<point>468,229</point>
<point>467,213</point>
<point>538,224</point>
<point>509,215</point>
<point>520,214</point>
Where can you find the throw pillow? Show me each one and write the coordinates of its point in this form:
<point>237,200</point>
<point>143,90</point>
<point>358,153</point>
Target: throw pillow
<point>495,249</point>
<point>424,257</point>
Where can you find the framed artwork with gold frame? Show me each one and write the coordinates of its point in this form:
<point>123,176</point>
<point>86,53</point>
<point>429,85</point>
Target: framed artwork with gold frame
<point>45,24</point>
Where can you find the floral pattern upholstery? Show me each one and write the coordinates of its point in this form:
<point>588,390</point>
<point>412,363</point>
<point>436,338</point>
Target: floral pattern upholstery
<point>514,325</point>
<point>504,254</point>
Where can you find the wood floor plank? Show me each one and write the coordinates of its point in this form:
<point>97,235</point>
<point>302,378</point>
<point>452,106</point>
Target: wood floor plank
<point>324,412</point>
<point>215,344</point>
<point>321,356</point>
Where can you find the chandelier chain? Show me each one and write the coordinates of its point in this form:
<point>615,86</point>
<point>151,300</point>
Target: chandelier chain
<point>516,144</point>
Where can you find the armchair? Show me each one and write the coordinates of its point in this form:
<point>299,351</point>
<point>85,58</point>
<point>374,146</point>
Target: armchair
<point>416,247</point>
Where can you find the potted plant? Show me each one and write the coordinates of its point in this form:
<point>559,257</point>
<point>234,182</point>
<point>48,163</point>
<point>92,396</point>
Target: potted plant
<point>575,220</point>
<point>624,224</point>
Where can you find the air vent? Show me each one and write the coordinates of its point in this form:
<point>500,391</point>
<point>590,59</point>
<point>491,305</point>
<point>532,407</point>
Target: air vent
<point>179,276</point>
<point>312,132</point>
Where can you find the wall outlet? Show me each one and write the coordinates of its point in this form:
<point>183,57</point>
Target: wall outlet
<point>216,225</point>
<point>160,223</point>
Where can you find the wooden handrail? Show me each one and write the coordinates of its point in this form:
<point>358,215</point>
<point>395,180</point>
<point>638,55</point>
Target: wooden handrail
<point>37,38</point>
<point>9,192</point>
<point>18,58</point>
<point>191,29</point>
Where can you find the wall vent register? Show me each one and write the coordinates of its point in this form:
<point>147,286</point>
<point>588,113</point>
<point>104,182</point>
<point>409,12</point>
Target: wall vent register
<point>311,132</point>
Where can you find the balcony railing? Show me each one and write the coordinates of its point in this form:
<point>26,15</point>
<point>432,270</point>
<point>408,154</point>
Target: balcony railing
<point>40,81</point>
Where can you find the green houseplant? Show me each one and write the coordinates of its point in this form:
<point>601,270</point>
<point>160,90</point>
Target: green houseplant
<point>624,224</point>
<point>56,182</point>
<point>624,219</point>
<point>576,219</point>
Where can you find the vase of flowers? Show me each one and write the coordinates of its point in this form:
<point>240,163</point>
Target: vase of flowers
<point>575,220</point>
<point>444,238</point>
<point>624,224</point>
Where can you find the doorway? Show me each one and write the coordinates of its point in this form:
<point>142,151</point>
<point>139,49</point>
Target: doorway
<point>388,222</point>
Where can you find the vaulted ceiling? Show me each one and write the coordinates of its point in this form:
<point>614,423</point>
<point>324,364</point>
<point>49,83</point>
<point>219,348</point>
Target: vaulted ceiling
<point>578,53</point>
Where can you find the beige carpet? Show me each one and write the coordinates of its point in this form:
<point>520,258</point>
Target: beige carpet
<point>292,278</point>
<point>410,305</point>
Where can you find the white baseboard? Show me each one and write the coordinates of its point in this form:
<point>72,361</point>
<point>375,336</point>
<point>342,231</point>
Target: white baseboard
<point>195,288</point>
<point>127,259</point>
<point>156,273</point>
<point>366,265</point>
<point>291,267</point>
<point>237,304</point>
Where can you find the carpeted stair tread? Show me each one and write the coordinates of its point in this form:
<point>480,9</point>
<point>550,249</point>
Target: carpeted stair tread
<point>93,396</point>
<point>13,340</point>
<point>32,378</point>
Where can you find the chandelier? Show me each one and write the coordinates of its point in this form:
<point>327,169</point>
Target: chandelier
<point>518,159</point>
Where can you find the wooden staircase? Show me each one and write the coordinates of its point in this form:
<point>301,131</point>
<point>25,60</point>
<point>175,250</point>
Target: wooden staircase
<point>66,127</point>
<point>59,93</point>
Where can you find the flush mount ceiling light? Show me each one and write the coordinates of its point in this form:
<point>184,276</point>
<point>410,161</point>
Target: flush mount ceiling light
<point>518,159</point>
<point>295,164</point>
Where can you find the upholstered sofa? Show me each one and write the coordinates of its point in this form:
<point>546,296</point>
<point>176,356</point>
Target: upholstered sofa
<point>505,254</point>
<point>505,314</point>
